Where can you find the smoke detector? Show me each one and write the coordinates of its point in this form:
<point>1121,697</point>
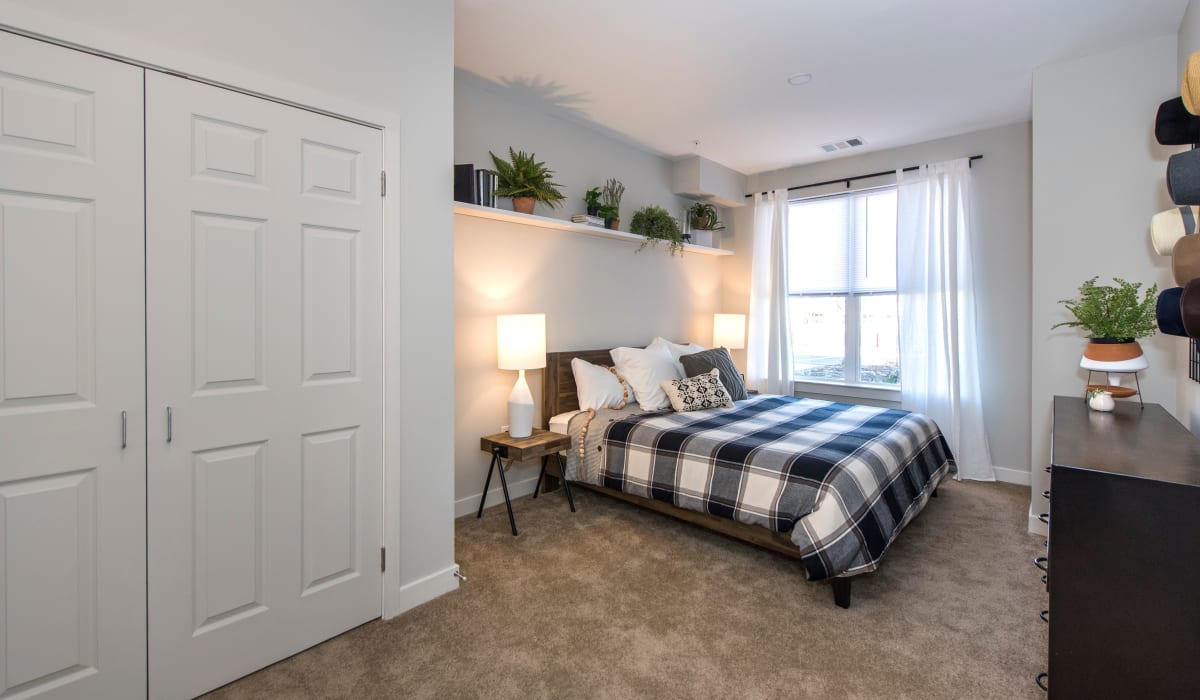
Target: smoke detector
<point>842,145</point>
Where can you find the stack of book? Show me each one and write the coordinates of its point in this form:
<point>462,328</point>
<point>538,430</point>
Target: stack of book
<point>588,220</point>
<point>474,186</point>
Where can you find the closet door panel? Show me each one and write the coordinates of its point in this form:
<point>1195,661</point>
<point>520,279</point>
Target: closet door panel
<point>72,482</point>
<point>265,342</point>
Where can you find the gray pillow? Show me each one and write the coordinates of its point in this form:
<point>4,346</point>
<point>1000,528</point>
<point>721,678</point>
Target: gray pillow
<point>719,358</point>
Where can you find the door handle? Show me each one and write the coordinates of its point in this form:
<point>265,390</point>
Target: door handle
<point>170,424</point>
<point>124,427</point>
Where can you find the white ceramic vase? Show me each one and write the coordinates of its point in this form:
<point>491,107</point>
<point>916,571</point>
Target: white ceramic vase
<point>1102,401</point>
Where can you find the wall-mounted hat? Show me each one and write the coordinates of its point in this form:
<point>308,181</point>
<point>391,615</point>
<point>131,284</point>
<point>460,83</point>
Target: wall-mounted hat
<point>1185,260</point>
<point>1189,90</point>
<point>1168,312</point>
<point>1169,226</point>
<point>1175,125</point>
<point>1178,310</point>
<point>1183,178</point>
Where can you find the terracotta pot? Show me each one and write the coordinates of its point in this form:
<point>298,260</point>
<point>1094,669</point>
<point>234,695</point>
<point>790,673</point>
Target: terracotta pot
<point>613,224</point>
<point>1112,351</point>
<point>523,205</point>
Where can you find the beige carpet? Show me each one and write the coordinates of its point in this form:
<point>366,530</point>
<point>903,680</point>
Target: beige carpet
<point>615,601</point>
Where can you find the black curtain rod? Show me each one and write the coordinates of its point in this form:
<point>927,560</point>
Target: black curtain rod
<point>848,180</point>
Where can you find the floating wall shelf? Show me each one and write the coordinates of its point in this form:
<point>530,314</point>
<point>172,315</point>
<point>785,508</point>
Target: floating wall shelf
<point>562,225</point>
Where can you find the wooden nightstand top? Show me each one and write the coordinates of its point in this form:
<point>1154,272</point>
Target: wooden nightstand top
<point>540,444</point>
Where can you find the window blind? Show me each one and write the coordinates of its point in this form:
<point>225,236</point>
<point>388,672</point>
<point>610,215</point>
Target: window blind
<point>844,244</point>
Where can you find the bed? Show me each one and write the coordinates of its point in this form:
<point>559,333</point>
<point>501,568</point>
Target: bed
<point>829,484</point>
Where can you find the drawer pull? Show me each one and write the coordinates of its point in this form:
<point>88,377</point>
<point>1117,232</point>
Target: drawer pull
<point>1041,562</point>
<point>1045,518</point>
<point>1045,615</point>
<point>1043,681</point>
<point>1046,494</point>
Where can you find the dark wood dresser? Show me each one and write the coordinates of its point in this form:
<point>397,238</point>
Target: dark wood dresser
<point>1124,554</point>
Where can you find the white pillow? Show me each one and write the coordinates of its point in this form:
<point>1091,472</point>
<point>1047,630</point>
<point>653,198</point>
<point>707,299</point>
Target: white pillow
<point>644,370</point>
<point>596,386</point>
<point>675,350</point>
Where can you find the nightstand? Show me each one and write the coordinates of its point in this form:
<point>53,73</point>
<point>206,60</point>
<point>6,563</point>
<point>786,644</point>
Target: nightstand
<point>542,443</point>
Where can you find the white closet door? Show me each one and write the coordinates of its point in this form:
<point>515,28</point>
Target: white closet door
<point>72,499</point>
<point>264,269</point>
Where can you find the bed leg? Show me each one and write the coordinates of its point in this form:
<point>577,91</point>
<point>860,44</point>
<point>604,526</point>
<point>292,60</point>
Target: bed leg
<point>841,592</point>
<point>934,493</point>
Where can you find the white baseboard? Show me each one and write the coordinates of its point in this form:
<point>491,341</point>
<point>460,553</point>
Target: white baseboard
<point>1012,476</point>
<point>423,590</point>
<point>1036,526</point>
<point>469,505</point>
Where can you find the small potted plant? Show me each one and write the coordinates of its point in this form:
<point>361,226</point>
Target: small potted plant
<point>526,180</point>
<point>656,224</point>
<point>703,219</point>
<point>1113,317</point>
<point>592,199</point>
<point>610,203</point>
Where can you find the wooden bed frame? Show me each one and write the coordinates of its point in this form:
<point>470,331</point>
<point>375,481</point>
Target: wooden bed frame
<point>559,396</point>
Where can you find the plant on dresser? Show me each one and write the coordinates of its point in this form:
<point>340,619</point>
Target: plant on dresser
<point>1114,318</point>
<point>525,180</point>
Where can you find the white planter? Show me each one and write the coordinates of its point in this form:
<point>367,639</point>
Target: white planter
<point>704,238</point>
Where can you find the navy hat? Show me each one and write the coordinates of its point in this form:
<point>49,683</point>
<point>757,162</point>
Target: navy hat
<point>1174,125</point>
<point>1169,311</point>
<point>1183,178</point>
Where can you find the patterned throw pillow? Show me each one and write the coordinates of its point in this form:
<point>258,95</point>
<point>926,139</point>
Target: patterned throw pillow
<point>695,393</point>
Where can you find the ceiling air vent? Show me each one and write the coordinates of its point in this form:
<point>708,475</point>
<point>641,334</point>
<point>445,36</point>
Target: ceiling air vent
<point>842,145</point>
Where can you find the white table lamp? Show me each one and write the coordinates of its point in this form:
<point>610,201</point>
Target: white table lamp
<point>521,345</point>
<point>729,331</point>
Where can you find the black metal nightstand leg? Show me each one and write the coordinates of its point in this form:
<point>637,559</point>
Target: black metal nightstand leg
<point>562,472</point>
<point>486,485</point>
<point>512,522</point>
<point>538,487</point>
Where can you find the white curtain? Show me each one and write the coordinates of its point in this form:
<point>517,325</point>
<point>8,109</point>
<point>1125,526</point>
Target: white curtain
<point>939,354</point>
<point>769,345</point>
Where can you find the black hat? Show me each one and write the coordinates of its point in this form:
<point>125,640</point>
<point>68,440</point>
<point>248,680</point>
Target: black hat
<point>1183,178</point>
<point>1175,126</point>
<point>1169,313</point>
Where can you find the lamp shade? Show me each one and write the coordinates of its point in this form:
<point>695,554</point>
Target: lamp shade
<point>521,341</point>
<point>729,331</point>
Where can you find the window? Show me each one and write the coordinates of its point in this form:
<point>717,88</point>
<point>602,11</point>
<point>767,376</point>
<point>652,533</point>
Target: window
<point>842,289</point>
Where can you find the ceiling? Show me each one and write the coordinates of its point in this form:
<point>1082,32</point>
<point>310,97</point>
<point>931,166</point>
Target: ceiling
<point>664,73</point>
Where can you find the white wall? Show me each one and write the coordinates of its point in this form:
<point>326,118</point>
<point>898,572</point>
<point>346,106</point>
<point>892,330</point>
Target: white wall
<point>1098,177</point>
<point>492,117</point>
<point>1002,215</point>
<point>386,62</point>
<point>596,293</point>
<point>1189,391</point>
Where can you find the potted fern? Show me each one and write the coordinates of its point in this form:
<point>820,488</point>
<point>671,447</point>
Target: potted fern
<point>702,217</point>
<point>1113,317</point>
<point>657,225</point>
<point>525,180</point>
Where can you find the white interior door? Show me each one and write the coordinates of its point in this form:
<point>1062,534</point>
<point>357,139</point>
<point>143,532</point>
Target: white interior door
<point>72,497</point>
<point>264,271</point>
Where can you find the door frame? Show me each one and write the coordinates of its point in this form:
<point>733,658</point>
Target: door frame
<point>398,594</point>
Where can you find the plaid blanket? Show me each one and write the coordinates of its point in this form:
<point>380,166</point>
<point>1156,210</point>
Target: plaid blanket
<point>843,479</point>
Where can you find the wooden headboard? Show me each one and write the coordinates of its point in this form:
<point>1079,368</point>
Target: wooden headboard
<point>558,383</point>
